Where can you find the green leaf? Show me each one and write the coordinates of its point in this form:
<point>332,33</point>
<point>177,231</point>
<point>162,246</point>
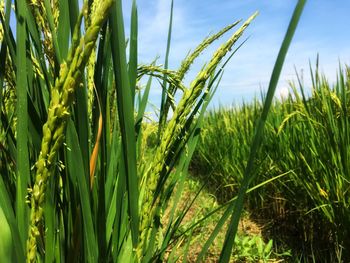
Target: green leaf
<point>62,29</point>
<point>163,112</point>
<point>236,212</point>
<point>133,50</point>
<point>6,245</point>
<point>77,173</point>
<point>50,222</point>
<point>6,207</point>
<point>23,175</point>
<point>126,115</point>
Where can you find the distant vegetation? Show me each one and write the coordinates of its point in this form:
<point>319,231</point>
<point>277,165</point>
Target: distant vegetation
<point>306,148</point>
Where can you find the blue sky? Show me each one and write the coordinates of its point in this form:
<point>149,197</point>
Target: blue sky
<point>322,30</point>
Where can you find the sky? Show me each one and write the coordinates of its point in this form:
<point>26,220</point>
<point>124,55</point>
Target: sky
<point>322,30</point>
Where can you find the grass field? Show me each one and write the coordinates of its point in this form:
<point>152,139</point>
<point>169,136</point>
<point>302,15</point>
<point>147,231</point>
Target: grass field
<point>306,144</point>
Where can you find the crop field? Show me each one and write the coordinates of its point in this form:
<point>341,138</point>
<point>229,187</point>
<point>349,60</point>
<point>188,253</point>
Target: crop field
<point>85,176</point>
<point>301,165</point>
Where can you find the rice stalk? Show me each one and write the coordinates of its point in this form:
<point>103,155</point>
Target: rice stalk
<point>55,7</point>
<point>188,61</point>
<point>185,66</point>
<point>41,17</point>
<point>58,113</point>
<point>90,68</point>
<point>173,130</point>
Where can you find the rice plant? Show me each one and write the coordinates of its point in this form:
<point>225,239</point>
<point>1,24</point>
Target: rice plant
<point>306,144</point>
<point>76,183</point>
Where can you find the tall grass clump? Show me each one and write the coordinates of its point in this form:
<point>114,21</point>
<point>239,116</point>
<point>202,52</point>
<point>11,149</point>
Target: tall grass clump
<point>306,145</point>
<point>79,182</point>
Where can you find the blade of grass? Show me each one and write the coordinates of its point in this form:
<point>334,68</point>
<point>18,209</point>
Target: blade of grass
<point>5,205</point>
<point>126,115</point>
<point>77,172</point>
<point>133,50</point>
<point>62,29</point>
<point>73,14</point>
<point>6,239</point>
<point>142,107</point>
<point>103,79</point>
<point>50,222</point>
<point>162,113</point>
<point>23,176</point>
<point>104,146</point>
<point>82,124</point>
<point>236,213</point>
<point>94,154</point>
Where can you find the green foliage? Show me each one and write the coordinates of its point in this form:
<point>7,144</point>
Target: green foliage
<point>306,137</point>
<point>235,208</point>
<point>75,183</point>
<point>252,249</point>
<point>6,246</point>
<point>249,243</point>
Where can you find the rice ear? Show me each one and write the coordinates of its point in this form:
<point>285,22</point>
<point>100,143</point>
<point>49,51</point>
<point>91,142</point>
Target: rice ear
<point>54,128</point>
